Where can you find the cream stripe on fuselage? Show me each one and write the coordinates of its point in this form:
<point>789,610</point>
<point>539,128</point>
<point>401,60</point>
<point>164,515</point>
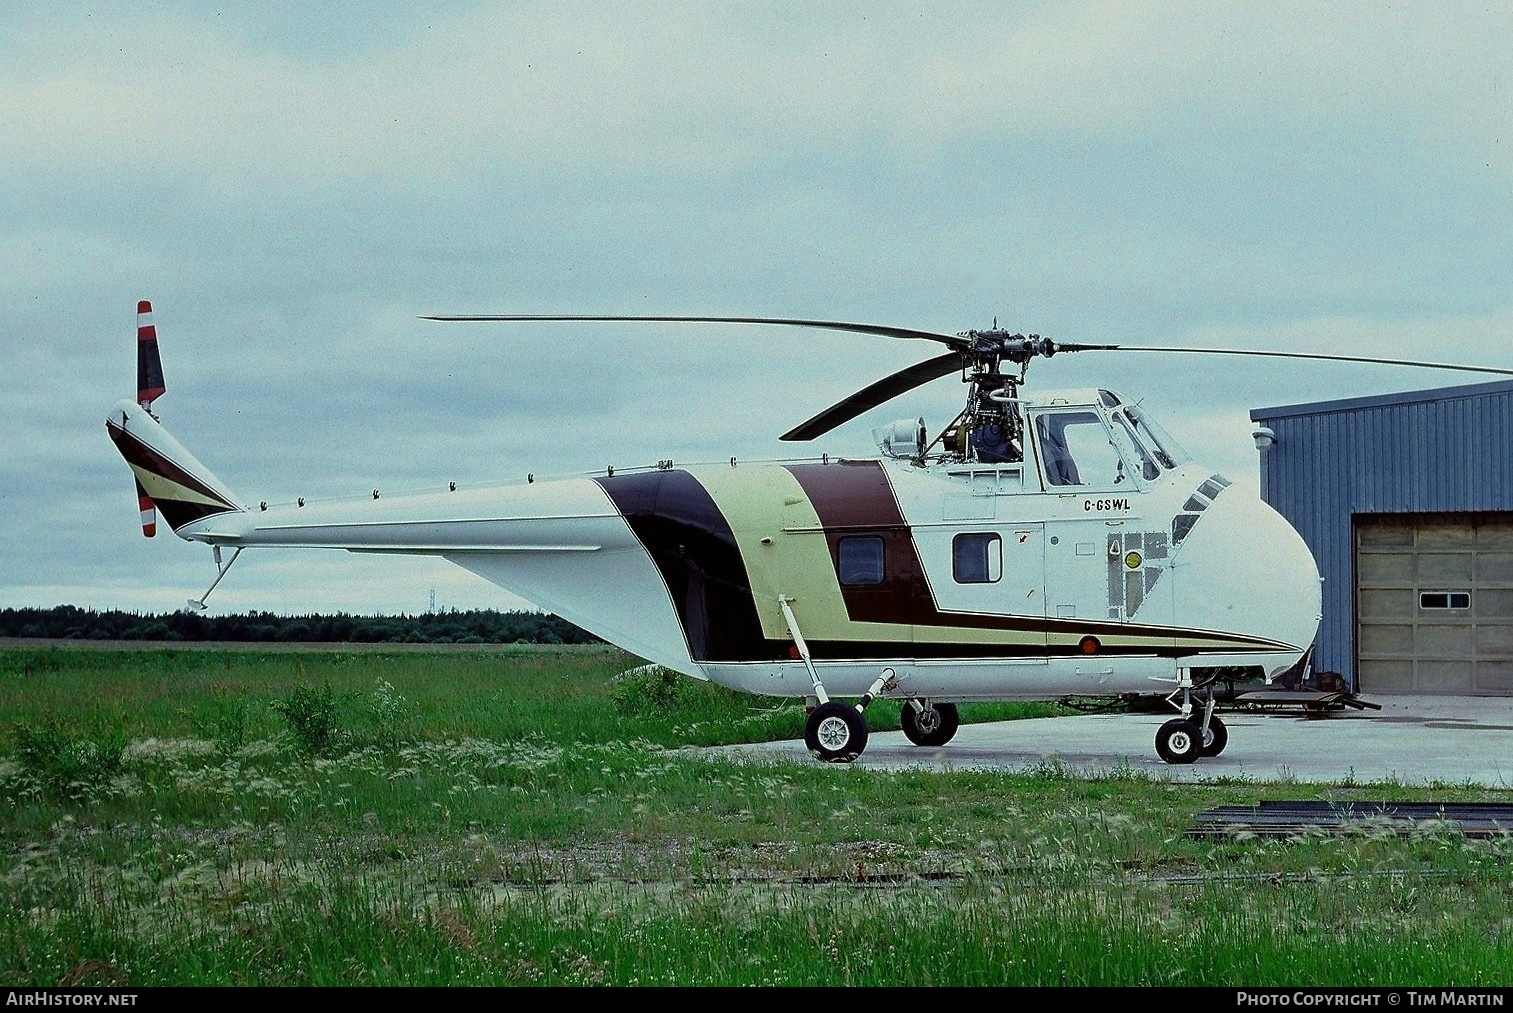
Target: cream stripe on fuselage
<point>767,502</point>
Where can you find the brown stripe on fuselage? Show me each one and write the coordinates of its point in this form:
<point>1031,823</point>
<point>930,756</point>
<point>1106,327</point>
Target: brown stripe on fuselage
<point>856,498</point>
<point>692,545</point>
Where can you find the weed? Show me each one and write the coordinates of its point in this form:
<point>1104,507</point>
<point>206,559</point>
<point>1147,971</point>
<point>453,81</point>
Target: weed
<point>311,714</point>
<point>528,829</point>
<point>69,763</point>
<point>227,723</point>
<point>1049,768</point>
<point>389,712</point>
<point>652,688</point>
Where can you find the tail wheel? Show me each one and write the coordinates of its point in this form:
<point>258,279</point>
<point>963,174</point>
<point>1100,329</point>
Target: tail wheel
<point>1179,741</point>
<point>836,732</point>
<point>934,726</point>
<point>1216,738</point>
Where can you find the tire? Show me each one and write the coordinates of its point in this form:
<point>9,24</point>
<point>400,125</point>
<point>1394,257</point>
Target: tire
<point>934,727</point>
<point>1217,737</point>
<point>1179,741</point>
<point>836,732</point>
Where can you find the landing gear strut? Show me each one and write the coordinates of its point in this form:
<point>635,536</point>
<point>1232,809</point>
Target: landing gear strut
<point>834,732</point>
<point>837,732</point>
<point>1184,739</point>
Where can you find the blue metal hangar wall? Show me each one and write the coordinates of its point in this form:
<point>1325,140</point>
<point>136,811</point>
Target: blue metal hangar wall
<point>1407,503</point>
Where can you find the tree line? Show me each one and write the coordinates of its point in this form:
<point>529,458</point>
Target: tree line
<point>477,626</point>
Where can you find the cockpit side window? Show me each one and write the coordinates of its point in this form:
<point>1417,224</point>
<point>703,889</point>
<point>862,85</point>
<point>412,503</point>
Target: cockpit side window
<point>1167,451</point>
<point>1076,449</point>
<point>1124,435</point>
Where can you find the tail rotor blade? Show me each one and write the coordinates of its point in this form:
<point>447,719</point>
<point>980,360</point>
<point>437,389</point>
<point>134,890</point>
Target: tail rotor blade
<point>150,384</point>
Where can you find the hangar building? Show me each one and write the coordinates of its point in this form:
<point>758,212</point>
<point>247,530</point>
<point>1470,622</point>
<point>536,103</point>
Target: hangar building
<point>1407,503</point>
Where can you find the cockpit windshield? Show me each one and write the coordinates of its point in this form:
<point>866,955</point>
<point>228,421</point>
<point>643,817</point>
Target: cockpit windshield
<point>1167,451</point>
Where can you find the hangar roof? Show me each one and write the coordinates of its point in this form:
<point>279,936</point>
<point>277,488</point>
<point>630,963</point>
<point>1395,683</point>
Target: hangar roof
<point>1350,404</point>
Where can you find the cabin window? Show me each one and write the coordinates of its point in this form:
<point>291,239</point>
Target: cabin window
<point>1076,450</point>
<point>1456,600</point>
<point>861,560</point>
<point>977,558</point>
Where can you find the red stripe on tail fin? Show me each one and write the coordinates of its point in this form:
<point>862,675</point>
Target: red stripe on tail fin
<point>149,511</point>
<point>150,384</point>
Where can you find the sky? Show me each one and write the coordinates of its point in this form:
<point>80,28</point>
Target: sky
<point>292,187</point>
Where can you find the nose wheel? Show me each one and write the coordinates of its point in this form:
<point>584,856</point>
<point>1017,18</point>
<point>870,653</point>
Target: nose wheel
<point>1216,737</point>
<point>1179,741</point>
<point>1196,733</point>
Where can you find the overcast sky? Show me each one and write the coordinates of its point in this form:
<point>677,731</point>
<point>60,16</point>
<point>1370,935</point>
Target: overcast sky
<point>293,190</point>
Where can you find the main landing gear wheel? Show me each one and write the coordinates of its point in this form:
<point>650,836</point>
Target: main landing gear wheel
<point>836,732</point>
<point>1216,738</point>
<point>1179,741</point>
<point>934,726</point>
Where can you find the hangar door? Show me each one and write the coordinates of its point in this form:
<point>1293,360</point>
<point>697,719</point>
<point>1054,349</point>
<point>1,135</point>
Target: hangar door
<point>1434,603</point>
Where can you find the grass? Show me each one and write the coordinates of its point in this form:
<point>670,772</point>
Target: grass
<point>525,816</point>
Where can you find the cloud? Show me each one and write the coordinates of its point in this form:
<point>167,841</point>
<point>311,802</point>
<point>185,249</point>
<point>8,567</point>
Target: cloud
<point>591,87</point>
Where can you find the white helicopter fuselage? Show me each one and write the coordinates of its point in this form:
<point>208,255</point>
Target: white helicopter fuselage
<point>1092,571</point>
<point>1040,547</point>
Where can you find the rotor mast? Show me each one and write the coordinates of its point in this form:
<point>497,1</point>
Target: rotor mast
<point>990,428</point>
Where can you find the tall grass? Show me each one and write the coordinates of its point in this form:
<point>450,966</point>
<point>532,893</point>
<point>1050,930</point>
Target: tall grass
<point>527,817</point>
<point>319,928</point>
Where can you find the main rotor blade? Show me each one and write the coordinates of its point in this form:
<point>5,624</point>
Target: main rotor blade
<point>867,398</point>
<point>1285,355</point>
<point>833,325</point>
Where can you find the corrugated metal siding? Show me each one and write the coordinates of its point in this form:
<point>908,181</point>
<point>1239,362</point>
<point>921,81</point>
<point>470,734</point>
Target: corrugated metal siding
<point>1430,452</point>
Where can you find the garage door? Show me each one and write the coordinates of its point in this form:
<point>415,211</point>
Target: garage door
<point>1434,604</point>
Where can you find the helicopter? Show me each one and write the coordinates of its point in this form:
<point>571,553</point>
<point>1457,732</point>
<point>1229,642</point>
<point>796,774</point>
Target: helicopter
<point>1039,545</point>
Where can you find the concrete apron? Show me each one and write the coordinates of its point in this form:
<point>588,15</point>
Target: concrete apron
<point>1412,740</point>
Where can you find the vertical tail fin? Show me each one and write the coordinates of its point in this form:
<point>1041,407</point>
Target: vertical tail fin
<point>168,477</point>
